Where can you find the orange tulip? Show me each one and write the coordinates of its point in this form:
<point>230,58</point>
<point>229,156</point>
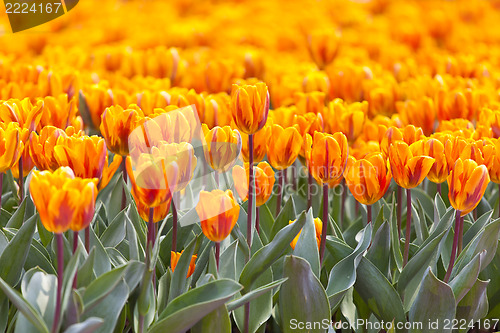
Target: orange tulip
<point>217,110</point>
<point>260,141</point>
<point>174,259</point>
<point>369,178</point>
<point>264,182</point>
<point>318,225</point>
<point>11,145</point>
<point>159,212</point>
<point>98,99</point>
<point>60,112</point>
<point>116,126</point>
<point>327,156</point>
<point>310,102</point>
<point>408,167</point>
<point>420,113</point>
<point>250,107</point>
<point>41,147</point>
<point>152,177</point>
<point>323,46</point>
<point>285,146</point>
<point>316,81</point>
<point>467,183</point>
<point>222,148</point>
<point>408,134</point>
<point>434,148</point>
<point>63,201</point>
<point>494,170</point>
<point>348,119</point>
<point>184,157</point>
<point>218,212</point>
<point>171,125</point>
<point>87,157</point>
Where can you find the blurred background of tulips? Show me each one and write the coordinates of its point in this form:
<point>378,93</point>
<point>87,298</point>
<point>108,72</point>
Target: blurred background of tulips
<point>252,166</point>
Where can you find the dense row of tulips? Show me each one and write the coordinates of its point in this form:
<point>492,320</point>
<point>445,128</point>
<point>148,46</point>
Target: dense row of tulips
<point>282,147</point>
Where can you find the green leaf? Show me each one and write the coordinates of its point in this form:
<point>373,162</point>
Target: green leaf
<point>216,321</point>
<point>307,246</point>
<point>88,326</point>
<point>476,227</point>
<point>434,302</point>
<point>24,307</point>
<point>266,220</point>
<point>343,274</point>
<point>179,277</point>
<point>487,240</point>
<point>17,219</point>
<point>379,251</point>
<point>101,287</point>
<point>377,292</point>
<point>395,245</point>
<point>163,289</point>
<point>411,276</point>
<point>474,305</point>
<point>86,270</point>
<point>424,199</point>
<point>109,308</point>
<point>114,205</point>
<point>115,232</point>
<point>186,310</point>
<point>267,255</point>
<point>286,215</point>
<point>467,277</point>
<point>254,294</point>
<point>102,262</point>
<point>301,297</point>
<point>227,263</point>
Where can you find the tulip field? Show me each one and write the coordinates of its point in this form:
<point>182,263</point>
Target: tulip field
<point>248,166</point>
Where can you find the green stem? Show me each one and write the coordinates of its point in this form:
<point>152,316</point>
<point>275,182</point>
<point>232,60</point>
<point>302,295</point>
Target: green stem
<point>454,247</point>
<point>408,227</point>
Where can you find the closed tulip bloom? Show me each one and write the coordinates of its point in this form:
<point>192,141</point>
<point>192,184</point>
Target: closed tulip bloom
<point>309,102</point>
<point>264,182</point>
<point>63,201</point>
<point>87,157</point>
<point>183,155</point>
<point>222,147</point>
<point>11,145</point>
<point>408,134</point>
<point>368,179</point>
<point>494,170</point>
<point>61,112</point>
<point>116,126</point>
<point>217,110</point>
<point>152,177</point>
<point>327,156</point>
<point>22,112</point>
<point>260,141</point>
<point>284,147</point>
<point>250,107</point>
<point>159,212</point>
<point>174,259</point>
<point>408,167</point>
<point>42,147</point>
<point>467,183</point>
<point>434,148</point>
<point>218,212</point>
<point>171,124</point>
<point>318,225</point>
<point>98,98</point>
<point>316,81</point>
<point>421,113</point>
<point>323,46</point>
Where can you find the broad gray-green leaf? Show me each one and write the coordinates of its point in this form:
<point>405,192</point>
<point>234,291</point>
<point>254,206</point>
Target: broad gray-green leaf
<point>227,262</point>
<point>474,305</point>
<point>88,326</point>
<point>302,297</point>
<point>379,251</point>
<point>477,226</point>
<point>378,293</point>
<point>286,215</point>
<point>17,219</point>
<point>435,301</point>
<point>216,321</point>
<point>467,277</point>
<point>254,294</point>
<point>395,244</point>
<point>101,287</point>
<point>307,245</point>
<point>115,232</point>
<point>267,255</point>
<point>24,307</point>
<point>343,274</point>
<point>411,276</point>
<point>179,277</point>
<point>186,310</point>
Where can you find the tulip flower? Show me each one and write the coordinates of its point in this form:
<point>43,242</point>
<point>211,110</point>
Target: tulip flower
<point>174,259</point>
<point>323,46</point>
<point>326,155</point>
<point>408,170</point>
<point>318,226</point>
<point>310,102</point>
<point>218,213</point>
<point>421,113</point>
<point>11,147</point>
<point>159,212</point>
<point>434,148</point>
<point>250,107</point>
<point>60,112</point>
<point>171,125</point>
<point>260,140</point>
<point>117,124</point>
<point>467,183</point>
<point>64,202</point>
<point>98,99</point>
<point>216,111</point>
<point>222,148</point>
<point>41,147</point>
<point>315,81</point>
<point>264,182</point>
<point>368,179</point>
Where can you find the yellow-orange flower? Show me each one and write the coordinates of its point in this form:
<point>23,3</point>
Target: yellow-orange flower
<point>408,134</point>
<point>41,147</point>
<point>116,126</point>
<point>316,81</point>
<point>182,154</point>
<point>285,146</point>
<point>323,46</point>
<point>434,148</point>
<point>11,145</point>
<point>421,113</point>
<point>87,157</point>
<point>98,98</point>
<point>174,259</point>
<point>250,107</point>
<point>260,141</point>
<point>63,201</point>
<point>159,212</point>
<point>218,212</point>
<point>408,167</point>
<point>467,182</point>
<point>368,179</point>
<point>326,155</point>
<point>494,170</point>
<point>222,147</point>
<point>61,112</point>
<point>309,102</point>
<point>318,225</point>
<point>264,182</point>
